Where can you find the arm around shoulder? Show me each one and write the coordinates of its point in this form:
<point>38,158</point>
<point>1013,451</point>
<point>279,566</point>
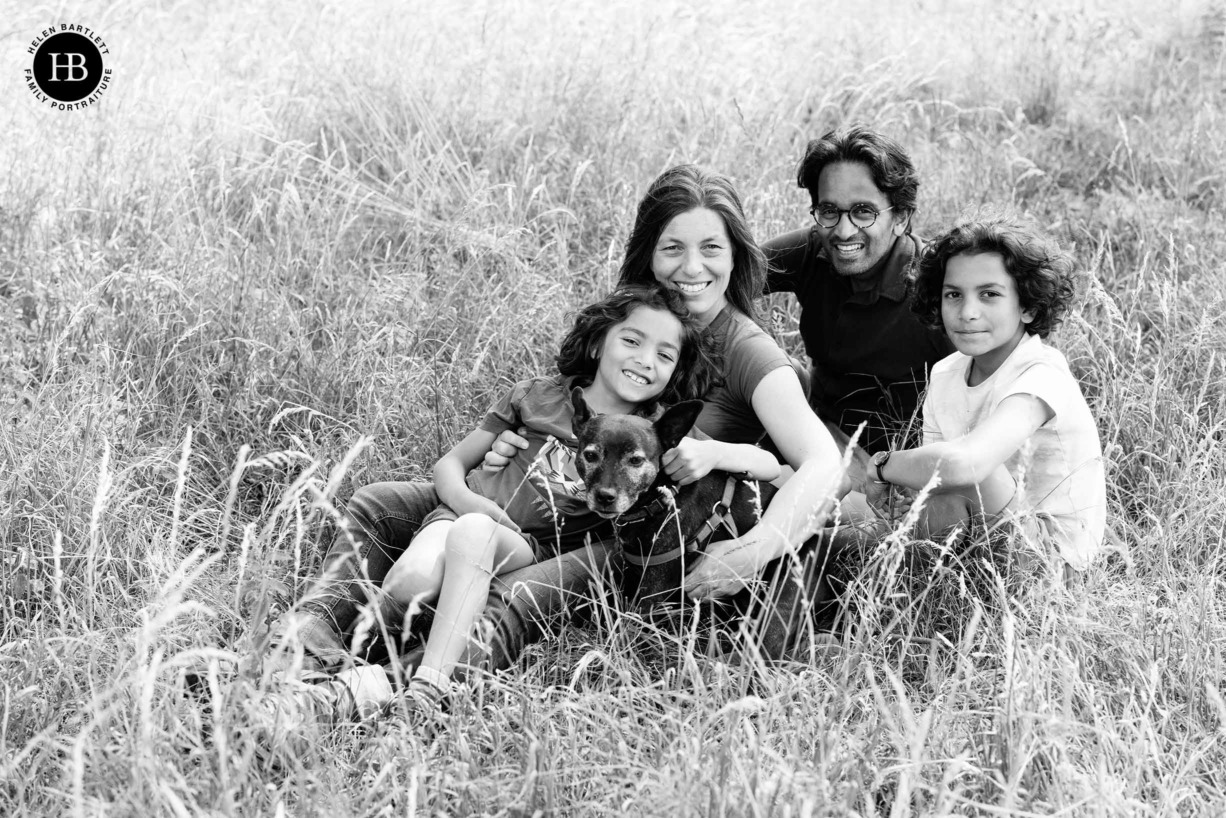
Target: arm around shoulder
<point>785,257</point>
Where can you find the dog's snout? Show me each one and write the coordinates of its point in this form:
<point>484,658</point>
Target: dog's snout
<point>604,496</point>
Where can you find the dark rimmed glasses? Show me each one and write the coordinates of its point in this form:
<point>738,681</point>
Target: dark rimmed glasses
<point>861,216</point>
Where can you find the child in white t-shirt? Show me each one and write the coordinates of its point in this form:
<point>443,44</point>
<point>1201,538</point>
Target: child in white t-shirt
<point>1007,431</point>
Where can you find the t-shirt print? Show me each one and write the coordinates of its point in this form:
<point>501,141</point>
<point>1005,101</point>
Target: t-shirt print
<point>554,469</point>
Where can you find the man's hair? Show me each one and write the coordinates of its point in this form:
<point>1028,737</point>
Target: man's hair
<point>885,159</point>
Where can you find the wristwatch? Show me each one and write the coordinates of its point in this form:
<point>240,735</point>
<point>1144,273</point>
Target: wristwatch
<point>879,459</point>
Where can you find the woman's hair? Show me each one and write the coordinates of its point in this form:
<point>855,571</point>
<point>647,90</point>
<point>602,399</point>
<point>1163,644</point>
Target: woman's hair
<point>681,189</point>
<point>579,356</point>
<point>1042,271</point>
<point>887,163</point>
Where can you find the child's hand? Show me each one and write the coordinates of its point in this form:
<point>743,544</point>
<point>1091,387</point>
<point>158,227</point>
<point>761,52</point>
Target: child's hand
<point>504,448</point>
<point>691,460</point>
<point>889,502</point>
<point>878,496</point>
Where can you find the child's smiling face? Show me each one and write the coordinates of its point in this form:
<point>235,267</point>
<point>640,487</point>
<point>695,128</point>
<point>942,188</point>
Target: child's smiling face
<point>637,358</point>
<point>981,309</point>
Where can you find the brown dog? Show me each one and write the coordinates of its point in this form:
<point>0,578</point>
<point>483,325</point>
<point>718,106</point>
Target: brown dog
<point>663,529</point>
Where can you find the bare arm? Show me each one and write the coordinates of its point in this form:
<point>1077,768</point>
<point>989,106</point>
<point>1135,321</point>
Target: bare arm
<point>802,504</point>
<point>969,460</point>
<point>692,459</point>
<point>453,467</point>
<point>745,458</point>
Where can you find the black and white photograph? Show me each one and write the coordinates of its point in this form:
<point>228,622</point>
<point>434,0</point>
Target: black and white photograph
<point>635,407</point>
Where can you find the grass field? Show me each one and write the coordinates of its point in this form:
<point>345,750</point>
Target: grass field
<point>298,248</point>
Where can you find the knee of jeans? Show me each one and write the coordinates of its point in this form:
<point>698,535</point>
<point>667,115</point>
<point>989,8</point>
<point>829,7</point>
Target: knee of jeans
<point>364,506</point>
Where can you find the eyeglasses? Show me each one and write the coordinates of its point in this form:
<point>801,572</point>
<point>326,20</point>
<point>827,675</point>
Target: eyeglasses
<point>861,216</point>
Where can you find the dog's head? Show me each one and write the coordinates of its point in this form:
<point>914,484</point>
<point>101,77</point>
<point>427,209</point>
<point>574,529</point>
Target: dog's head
<point>619,455</point>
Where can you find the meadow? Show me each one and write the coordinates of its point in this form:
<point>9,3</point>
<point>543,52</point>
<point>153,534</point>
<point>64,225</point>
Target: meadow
<point>298,248</point>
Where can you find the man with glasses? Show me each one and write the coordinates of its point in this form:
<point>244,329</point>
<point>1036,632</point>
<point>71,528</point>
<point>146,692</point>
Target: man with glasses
<point>850,271</point>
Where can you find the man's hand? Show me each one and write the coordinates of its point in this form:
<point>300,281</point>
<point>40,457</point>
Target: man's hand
<point>503,450</point>
<point>691,460</point>
<point>726,568</point>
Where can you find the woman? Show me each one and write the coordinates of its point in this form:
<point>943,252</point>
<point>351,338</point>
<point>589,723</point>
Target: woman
<point>691,235</point>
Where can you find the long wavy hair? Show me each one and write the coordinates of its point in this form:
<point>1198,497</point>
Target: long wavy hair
<point>579,356</point>
<point>678,190</point>
<point>1043,273</point>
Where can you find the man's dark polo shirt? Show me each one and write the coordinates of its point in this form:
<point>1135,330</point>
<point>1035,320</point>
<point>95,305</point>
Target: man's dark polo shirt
<point>870,354</point>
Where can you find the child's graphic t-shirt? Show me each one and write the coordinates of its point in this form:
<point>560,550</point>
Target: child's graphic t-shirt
<point>540,488</point>
<point>1060,468</point>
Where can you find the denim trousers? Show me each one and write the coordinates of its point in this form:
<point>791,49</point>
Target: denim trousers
<point>379,523</point>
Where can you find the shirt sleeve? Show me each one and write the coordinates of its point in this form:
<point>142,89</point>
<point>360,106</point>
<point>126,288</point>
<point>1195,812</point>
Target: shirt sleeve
<point>932,432</point>
<point>785,259</point>
<point>750,361</point>
<point>1045,382</point>
<point>505,413</point>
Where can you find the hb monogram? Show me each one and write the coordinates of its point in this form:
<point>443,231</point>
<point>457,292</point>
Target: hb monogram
<point>71,64</point>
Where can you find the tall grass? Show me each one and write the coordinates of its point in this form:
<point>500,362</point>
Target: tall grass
<point>300,248</point>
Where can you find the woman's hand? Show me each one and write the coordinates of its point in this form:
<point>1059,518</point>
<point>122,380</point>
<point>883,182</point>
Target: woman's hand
<point>726,568</point>
<point>691,460</point>
<point>503,450</point>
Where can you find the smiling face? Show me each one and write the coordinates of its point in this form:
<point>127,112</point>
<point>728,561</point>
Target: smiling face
<point>981,310</point>
<point>694,256</point>
<point>855,251</point>
<point>636,360</point>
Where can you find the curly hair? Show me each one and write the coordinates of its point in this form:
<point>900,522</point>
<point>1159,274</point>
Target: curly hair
<point>1043,273</point>
<point>697,367</point>
<point>887,162</point>
<point>678,190</point>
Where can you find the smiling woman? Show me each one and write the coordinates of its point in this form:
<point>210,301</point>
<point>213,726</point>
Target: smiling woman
<point>690,233</point>
<point>694,256</point>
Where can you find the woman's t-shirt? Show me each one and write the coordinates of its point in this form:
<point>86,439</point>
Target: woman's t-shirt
<point>749,355</point>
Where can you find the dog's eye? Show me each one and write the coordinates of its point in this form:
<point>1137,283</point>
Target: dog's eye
<point>636,460</point>
<point>590,456</point>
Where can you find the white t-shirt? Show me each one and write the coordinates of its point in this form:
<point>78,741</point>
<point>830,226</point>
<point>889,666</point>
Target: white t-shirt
<point>1060,467</point>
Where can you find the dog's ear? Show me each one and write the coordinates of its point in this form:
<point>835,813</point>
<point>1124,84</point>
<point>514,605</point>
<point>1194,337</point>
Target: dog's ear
<point>676,421</point>
<point>582,413</point>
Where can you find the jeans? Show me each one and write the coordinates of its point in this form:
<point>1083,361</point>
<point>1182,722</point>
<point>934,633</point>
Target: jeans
<point>378,525</point>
